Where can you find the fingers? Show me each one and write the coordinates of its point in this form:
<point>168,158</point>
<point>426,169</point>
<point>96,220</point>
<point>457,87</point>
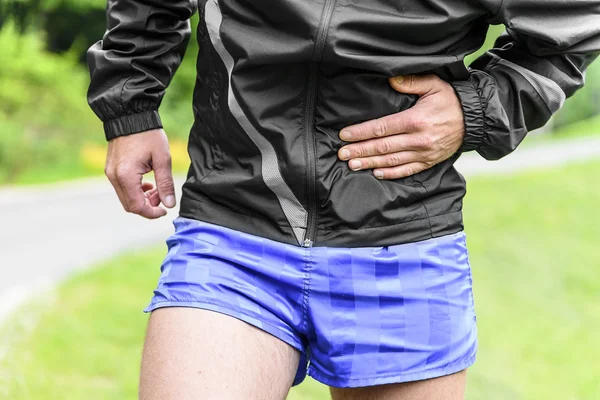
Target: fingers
<point>151,193</point>
<point>403,122</point>
<point>129,158</point>
<point>109,172</point>
<point>148,187</point>
<point>417,84</point>
<point>161,164</point>
<point>383,161</point>
<point>118,189</point>
<point>137,202</point>
<point>392,144</point>
<point>401,171</point>
<point>128,185</point>
<point>410,141</point>
<point>406,121</point>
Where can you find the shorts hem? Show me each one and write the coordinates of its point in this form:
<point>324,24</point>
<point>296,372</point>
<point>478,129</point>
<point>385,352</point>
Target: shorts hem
<point>235,313</point>
<point>333,381</point>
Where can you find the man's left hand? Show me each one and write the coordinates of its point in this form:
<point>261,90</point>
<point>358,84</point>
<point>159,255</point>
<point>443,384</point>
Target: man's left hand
<point>411,141</point>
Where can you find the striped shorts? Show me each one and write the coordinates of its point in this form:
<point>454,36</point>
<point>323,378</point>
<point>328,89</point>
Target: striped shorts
<point>359,316</point>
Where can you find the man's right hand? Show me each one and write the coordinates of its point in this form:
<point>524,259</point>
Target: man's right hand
<point>129,158</point>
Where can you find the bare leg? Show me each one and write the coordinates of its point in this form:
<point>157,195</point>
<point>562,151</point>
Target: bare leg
<point>197,354</point>
<point>451,387</point>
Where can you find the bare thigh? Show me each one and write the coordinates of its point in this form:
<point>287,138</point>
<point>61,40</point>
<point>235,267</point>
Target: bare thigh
<point>451,387</point>
<point>197,354</point>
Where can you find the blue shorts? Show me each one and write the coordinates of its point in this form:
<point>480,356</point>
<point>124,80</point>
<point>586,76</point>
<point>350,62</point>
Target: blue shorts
<point>359,316</point>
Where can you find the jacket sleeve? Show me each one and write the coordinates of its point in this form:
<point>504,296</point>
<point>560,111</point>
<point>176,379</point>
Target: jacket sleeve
<point>534,66</point>
<point>131,67</point>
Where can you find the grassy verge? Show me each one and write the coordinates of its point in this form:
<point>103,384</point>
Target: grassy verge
<point>587,127</point>
<point>533,242</point>
<point>90,162</point>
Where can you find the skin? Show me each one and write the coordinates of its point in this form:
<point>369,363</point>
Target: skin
<point>180,353</point>
<point>128,159</point>
<point>450,387</point>
<point>193,354</point>
<point>411,141</point>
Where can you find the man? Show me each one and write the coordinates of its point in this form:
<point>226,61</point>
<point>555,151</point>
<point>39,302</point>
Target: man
<point>321,221</point>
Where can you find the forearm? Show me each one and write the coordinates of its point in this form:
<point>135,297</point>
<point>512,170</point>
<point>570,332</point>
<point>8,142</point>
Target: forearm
<point>134,63</point>
<point>525,79</point>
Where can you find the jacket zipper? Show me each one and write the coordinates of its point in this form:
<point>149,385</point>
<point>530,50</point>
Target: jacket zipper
<point>309,113</point>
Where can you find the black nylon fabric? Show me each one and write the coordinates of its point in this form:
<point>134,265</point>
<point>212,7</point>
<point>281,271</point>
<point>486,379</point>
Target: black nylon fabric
<point>305,69</point>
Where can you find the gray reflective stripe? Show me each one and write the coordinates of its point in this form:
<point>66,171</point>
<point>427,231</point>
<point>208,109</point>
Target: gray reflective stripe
<point>549,91</point>
<point>293,210</point>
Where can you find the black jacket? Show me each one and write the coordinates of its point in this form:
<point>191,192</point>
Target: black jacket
<point>278,79</point>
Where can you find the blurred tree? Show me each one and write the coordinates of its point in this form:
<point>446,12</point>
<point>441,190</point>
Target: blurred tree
<point>23,12</point>
<point>64,23</point>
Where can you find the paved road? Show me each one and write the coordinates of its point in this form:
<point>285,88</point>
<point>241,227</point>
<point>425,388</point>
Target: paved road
<point>47,232</point>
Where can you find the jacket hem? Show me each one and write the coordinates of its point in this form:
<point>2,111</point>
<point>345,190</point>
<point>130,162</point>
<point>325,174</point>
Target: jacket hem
<point>404,232</point>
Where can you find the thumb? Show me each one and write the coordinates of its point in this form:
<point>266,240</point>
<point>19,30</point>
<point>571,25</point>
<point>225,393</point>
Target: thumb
<point>416,84</point>
<point>161,163</point>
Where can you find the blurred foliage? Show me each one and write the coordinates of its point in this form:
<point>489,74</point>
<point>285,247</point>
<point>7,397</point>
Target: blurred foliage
<point>43,114</point>
<point>46,127</point>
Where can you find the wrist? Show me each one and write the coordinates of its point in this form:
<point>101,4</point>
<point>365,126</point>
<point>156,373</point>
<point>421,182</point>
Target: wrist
<point>132,123</point>
<point>473,113</point>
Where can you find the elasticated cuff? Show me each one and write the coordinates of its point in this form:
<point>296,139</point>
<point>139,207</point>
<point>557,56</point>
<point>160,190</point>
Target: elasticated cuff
<point>475,130</point>
<point>132,123</point>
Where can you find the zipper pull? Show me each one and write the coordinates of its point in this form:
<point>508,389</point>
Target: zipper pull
<point>307,243</point>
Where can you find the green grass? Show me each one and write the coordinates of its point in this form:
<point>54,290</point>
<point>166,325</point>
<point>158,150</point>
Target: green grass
<point>533,243</point>
<point>587,127</point>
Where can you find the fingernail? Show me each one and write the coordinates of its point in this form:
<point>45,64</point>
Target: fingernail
<point>345,135</point>
<point>170,201</point>
<point>399,80</point>
<point>378,174</point>
<point>345,154</point>
<point>355,164</point>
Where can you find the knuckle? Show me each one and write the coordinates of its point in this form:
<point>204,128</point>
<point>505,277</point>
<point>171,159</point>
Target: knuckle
<point>429,141</point>
<point>408,171</point>
<point>358,151</point>
<point>383,147</point>
<point>415,122</point>
<point>394,159</point>
<point>163,161</point>
<point>122,172</point>
<point>109,173</point>
<point>165,185</point>
<point>425,124</point>
<point>428,156</point>
<point>423,141</point>
<point>380,128</point>
<point>134,207</point>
